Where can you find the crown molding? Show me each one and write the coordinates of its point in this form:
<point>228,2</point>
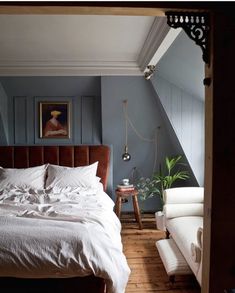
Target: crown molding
<point>158,32</point>
<point>67,68</point>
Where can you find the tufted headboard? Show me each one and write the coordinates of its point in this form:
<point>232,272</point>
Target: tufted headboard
<point>70,156</point>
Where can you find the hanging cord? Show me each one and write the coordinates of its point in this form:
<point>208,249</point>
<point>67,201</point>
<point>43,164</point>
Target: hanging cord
<point>153,140</point>
<point>126,122</point>
<point>127,118</point>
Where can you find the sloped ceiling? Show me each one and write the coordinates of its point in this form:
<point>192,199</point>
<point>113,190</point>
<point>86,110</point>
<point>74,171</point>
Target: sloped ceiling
<point>77,44</point>
<point>183,66</point>
<point>96,45</point>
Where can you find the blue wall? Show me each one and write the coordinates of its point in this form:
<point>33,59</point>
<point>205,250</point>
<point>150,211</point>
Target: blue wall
<point>178,82</point>
<point>24,93</point>
<point>97,117</point>
<point>186,115</point>
<point>182,65</point>
<point>3,116</point>
<point>146,115</point>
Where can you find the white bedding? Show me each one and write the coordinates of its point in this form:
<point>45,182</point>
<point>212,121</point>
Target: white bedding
<point>61,233</point>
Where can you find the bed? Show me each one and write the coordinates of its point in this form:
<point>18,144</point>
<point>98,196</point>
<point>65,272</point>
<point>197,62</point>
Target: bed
<point>58,229</point>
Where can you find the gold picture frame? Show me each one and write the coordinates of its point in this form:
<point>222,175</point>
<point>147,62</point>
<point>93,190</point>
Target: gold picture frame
<point>54,120</point>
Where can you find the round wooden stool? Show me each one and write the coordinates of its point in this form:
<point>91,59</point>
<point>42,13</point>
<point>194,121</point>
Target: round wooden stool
<point>118,205</point>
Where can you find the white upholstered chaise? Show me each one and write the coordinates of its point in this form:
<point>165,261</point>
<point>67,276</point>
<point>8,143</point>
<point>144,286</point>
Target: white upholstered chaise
<point>183,211</point>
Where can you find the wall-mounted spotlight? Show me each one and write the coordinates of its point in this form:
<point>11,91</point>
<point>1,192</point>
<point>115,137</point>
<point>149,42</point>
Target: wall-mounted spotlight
<point>148,74</point>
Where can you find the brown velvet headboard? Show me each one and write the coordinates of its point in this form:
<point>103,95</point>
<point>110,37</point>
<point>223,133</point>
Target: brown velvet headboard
<point>70,156</point>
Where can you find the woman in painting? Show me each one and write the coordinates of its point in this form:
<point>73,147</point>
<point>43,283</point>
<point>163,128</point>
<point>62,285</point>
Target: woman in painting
<point>53,126</point>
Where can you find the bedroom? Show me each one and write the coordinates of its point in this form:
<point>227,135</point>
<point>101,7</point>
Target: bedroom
<point>96,92</point>
<point>60,92</point>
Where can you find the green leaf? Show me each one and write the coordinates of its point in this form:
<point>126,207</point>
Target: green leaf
<point>173,162</point>
<point>168,165</point>
<point>162,180</point>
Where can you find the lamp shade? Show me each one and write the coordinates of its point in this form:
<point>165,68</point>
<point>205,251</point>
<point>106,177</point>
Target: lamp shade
<point>126,156</point>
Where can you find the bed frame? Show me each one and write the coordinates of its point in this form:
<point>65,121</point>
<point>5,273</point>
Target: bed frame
<point>71,156</point>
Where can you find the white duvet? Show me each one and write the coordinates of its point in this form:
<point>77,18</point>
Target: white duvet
<point>61,233</point>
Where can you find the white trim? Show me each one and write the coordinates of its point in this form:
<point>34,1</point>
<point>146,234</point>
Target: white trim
<point>67,67</point>
<point>64,63</point>
<point>156,35</point>
<point>164,46</point>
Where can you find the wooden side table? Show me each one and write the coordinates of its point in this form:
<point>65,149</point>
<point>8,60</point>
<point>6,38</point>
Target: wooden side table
<point>118,205</point>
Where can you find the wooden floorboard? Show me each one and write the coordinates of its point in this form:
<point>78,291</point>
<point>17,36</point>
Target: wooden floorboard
<point>147,271</point>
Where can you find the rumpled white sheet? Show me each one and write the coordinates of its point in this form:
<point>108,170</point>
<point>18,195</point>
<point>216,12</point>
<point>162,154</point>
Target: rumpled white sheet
<point>61,233</point>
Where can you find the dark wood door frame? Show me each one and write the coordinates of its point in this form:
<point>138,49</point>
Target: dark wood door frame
<point>219,217</point>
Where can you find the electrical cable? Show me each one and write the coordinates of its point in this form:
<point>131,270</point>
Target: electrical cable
<point>153,140</point>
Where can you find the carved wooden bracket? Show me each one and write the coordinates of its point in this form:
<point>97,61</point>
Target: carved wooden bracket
<point>196,25</point>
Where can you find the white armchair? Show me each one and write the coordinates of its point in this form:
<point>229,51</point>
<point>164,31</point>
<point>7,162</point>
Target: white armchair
<point>183,213</point>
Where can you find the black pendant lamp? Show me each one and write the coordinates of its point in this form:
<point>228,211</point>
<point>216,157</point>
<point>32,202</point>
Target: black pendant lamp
<point>125,156</point>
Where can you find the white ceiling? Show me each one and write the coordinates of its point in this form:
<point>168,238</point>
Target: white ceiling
<point>78,44</point>
<point>73,45</point>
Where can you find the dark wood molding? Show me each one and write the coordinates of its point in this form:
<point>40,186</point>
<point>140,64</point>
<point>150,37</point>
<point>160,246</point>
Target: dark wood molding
<point>197,27</point>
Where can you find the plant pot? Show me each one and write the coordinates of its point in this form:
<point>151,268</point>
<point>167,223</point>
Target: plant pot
<point>160,221</point>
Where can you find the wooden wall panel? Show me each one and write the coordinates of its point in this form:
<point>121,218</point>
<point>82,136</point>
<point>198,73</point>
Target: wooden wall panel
<point>84,121</point>
<point>186,114</point>
<point>87,121</point>
<point>20,120</point>
<point>176,111</point>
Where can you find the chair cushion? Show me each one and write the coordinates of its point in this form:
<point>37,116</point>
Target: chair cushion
<point>184,195</point>
<point>184,232</point>
<point>173,260</point>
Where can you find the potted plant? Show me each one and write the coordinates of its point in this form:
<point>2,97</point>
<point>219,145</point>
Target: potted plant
<point>147,188</point>
<point>166,178</point>
<point>160,181</point>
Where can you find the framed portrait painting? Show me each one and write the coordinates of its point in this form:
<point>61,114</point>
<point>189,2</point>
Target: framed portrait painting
<point>54,120</point>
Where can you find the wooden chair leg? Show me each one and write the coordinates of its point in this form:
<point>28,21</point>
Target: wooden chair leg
<point>167,234</point>
<point>172,279</point>
<point>137,211</point>
<point>118,205</point>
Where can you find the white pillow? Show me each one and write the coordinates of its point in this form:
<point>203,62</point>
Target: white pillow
<point>33,177</point>
<point>60,176</point>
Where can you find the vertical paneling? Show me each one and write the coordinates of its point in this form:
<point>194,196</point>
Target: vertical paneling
<point>186,114</point>
<point>87,105</point>
<point>198,132</point>
<point>19,110</point>
<point>186,140</point>
<point>32,115</point>
<point>4,129</point>
<point>176,112</point>
<point>97,127</point>
<point>20,120</point>
<point>77,120</point>
<point>167,100</point>
<point>85,120</point>
<point>3,140</point>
